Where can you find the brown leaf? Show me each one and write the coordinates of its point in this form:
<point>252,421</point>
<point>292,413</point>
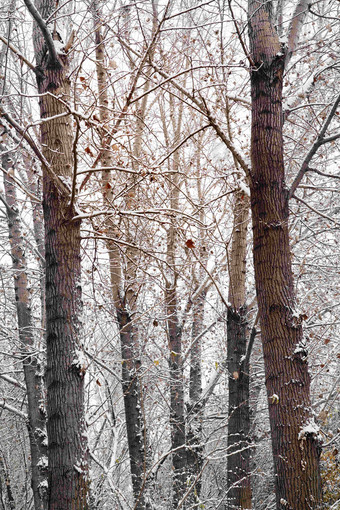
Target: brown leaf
<point>88,151</point>
<point>190,243</point>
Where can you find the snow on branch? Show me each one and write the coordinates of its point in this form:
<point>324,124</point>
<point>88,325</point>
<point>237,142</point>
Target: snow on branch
<point>295,27</point>
<point>53,56</point>
<point>321,140</point>
<point>12,409</point>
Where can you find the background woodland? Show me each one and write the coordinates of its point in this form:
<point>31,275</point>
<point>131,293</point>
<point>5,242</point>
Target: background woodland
<point>158,191</point>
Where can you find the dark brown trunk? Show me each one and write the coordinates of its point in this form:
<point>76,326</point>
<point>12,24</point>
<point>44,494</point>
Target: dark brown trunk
<point>295,446</point>
<point>65,370</point>
<point>132,404</point>
<point>177,419</point>
<point>238,461</point>
<point>32,370</point>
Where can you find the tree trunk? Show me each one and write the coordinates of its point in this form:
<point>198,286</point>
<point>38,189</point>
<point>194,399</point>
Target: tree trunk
<point>124,301</point>
<point>65,370</point>
<point>238,460</point>
<point>32,370</point>
<point>177,419</point>
<point>295,446</point>
<point>196,408</point>
<point>6,493</point>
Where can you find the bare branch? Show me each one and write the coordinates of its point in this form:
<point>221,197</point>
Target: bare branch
<point>17,52</point>
<point>316,211</point>
<point>295,27</point>
<point>13,381</point>
<point>321,140</point>
<point>53,56</point>
<point>12,409</point>
<point>63,188</point>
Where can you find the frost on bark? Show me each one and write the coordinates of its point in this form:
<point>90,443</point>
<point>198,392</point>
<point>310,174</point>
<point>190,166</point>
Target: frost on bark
<point>238,460</point>
<point>196,407</point>
<point>177,418</point>
<point>294,442</point>
<point>32,370</point>
<point>67,452</point>
<point>124,300</point>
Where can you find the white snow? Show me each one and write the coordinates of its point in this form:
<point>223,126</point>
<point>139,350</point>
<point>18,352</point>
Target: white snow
<point>43,462</point>
<point>78,469</point>
<point>244,188</point>
<point>300,347</point>
<point>59,46</point>
<point>309,429</point>
<point>79,359</point>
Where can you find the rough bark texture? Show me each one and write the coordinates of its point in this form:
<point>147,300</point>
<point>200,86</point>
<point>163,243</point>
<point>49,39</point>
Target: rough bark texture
<point>132,404</point>
<point>296,453</point>
<point>238,465</point>
<point>66,428</point>
<point>238,461</point>
<point>68,485</point>
<point>32,370</point>
<point>177,419</point>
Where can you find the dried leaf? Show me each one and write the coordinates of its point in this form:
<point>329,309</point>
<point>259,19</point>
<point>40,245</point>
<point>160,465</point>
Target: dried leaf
<point>190,243</point>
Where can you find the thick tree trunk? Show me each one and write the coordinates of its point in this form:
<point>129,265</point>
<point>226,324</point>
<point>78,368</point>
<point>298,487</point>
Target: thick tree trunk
<point>238,461</point>
<point>65,371</point>
<point>294,434</point>
<point>32,369</point>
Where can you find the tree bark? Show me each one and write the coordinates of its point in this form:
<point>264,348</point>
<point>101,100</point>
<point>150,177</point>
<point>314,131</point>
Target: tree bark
<point>238,460</point>
<point>65,371</point>
<point>124,300</point>
<point>32,370</point>
<point>196,408</point>
<point>177,417</point>
<point>295,448</point>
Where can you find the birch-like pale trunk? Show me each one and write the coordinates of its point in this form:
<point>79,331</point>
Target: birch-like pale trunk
<point>32,369</point>
<point>195,411</point>
<point>124,301</point>
<point>174,328</point>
